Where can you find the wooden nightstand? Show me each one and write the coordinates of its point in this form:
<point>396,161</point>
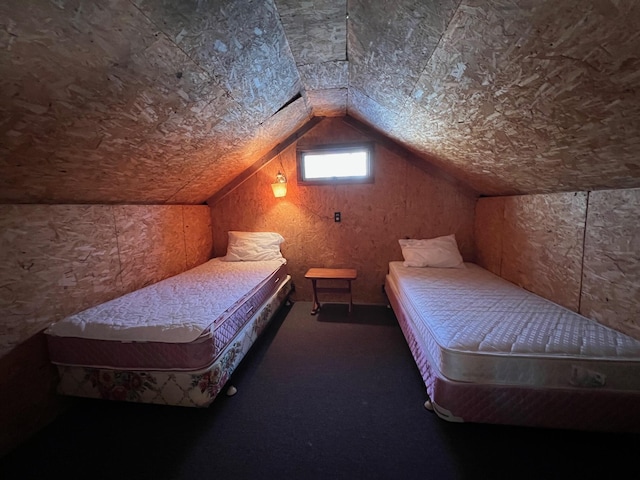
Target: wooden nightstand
<point>315,274</point>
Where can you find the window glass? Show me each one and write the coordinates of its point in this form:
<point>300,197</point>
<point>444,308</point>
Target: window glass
<point>337,164</point>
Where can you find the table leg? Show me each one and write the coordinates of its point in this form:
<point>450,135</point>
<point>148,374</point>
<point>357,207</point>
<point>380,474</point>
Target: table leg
<point>350,297</point>
<point>316,305</point>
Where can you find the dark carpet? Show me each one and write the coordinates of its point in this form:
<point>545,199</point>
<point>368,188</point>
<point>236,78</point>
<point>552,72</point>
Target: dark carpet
<point>331,396</point>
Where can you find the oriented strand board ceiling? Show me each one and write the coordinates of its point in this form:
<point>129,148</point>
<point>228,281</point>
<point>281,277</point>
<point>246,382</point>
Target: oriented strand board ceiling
<point>149,101</point>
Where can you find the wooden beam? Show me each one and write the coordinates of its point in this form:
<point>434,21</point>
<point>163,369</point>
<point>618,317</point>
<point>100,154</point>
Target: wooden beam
<point>421,161</point>
<point>265,159</point>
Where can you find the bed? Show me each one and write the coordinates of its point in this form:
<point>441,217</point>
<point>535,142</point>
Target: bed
<point>175,342</point>
<point>491,352</point>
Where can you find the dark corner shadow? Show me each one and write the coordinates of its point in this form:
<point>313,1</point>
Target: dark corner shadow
<point>535,452</point>
<point>134,430</point>
<point>360,314</point>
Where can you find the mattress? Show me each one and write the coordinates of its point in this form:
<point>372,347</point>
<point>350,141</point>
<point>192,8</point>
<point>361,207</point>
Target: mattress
<point>187,388</point>
<point>181,323</point>
<point>473,327</point>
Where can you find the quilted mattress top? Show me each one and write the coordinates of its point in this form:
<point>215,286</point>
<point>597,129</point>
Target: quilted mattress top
<point>175,310</point>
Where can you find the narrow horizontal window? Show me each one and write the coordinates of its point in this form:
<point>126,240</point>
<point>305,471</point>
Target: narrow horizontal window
<point>335,164</point>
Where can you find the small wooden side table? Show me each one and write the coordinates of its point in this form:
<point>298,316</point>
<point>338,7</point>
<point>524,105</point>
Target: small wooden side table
<point>315,274</point>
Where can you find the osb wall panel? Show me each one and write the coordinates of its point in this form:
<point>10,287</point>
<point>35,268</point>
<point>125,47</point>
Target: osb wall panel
<point>611,275</point>
<point>198,237</point>
<point>241,43</point>
<point>403,201</point>
<point>517,97</point>
<point>96,89</point>
<point>135,101</point>
<point>214,175</point>
<point>316,30</point>
<point>489,227</point>
<point>162,231</point>
<point>47,270</point>
<point>433,207</point>
<point>328,103</point>
<point>324,76</point>
<point>366,110</point>
<point>389,45</point>
<point>127,102</point>
<point>542,244</point>
<point>53,261</point>
<point>57,260</point>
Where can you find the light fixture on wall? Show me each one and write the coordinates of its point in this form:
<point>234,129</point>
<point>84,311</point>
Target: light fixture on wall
<point>280,185</point>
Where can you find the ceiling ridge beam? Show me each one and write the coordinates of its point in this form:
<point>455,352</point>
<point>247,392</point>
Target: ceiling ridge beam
<point>262,161</point>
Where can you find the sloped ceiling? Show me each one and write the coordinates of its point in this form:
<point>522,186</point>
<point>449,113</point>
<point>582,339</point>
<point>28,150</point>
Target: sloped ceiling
<point>159,101</point>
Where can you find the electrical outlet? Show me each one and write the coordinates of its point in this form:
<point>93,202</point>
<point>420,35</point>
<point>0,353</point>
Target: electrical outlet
<point>336,216</point>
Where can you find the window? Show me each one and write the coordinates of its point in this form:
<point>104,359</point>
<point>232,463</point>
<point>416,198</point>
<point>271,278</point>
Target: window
<point>335,164</point>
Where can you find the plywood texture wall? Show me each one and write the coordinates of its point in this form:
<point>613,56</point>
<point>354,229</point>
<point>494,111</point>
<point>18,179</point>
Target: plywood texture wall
<point>135,101</point>
<point>58,260</point>
<point>403,202</point>
<point>611,279</point>
<point>542,244</point>
<point>514,96</point>
<point>534,241</point>
<point>489,222</point>
<point>581,250</point>
<point>317,35</point>
<point>165,101</point>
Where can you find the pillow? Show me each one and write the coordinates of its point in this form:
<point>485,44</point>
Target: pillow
<point>441,252</point>
<point>253,246</point>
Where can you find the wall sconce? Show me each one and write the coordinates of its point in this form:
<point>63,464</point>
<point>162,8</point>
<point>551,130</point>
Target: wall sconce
<point>280,185</point>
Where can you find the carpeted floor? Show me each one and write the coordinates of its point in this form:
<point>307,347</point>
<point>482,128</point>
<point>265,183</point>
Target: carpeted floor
<point>332,396</point>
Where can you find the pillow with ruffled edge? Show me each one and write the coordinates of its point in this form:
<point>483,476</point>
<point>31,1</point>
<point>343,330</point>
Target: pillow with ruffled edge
<point>253,246</point>
<point>440,252</point>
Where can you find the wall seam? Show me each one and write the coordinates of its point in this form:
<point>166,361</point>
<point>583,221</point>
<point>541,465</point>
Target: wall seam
<point>584,243</point>
<point>184,239</point>
<point>115,231</point>
<point>405,195</point>
<point>502,222</point>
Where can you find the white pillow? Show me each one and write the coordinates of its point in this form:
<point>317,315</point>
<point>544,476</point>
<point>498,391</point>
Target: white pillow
<point>441,252</point>
<point>253,246</point>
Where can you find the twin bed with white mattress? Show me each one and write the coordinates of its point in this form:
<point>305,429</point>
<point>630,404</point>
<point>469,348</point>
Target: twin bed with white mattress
<point>492,352</point>
<point>175,342</point>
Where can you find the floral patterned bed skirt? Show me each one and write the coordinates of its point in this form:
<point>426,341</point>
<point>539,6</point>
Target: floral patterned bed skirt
<point>188,388</point>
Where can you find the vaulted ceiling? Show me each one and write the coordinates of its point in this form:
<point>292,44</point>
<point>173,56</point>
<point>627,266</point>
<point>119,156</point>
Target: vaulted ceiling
<point>162,101</point>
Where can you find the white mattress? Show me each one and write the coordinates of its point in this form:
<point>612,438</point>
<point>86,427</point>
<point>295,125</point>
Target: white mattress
<point>476,327</point>
<point>178,309</point>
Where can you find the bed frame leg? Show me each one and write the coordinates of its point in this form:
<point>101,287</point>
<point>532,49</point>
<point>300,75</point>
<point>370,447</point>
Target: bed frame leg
<point>428,405</point>
<point>231,391</point>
